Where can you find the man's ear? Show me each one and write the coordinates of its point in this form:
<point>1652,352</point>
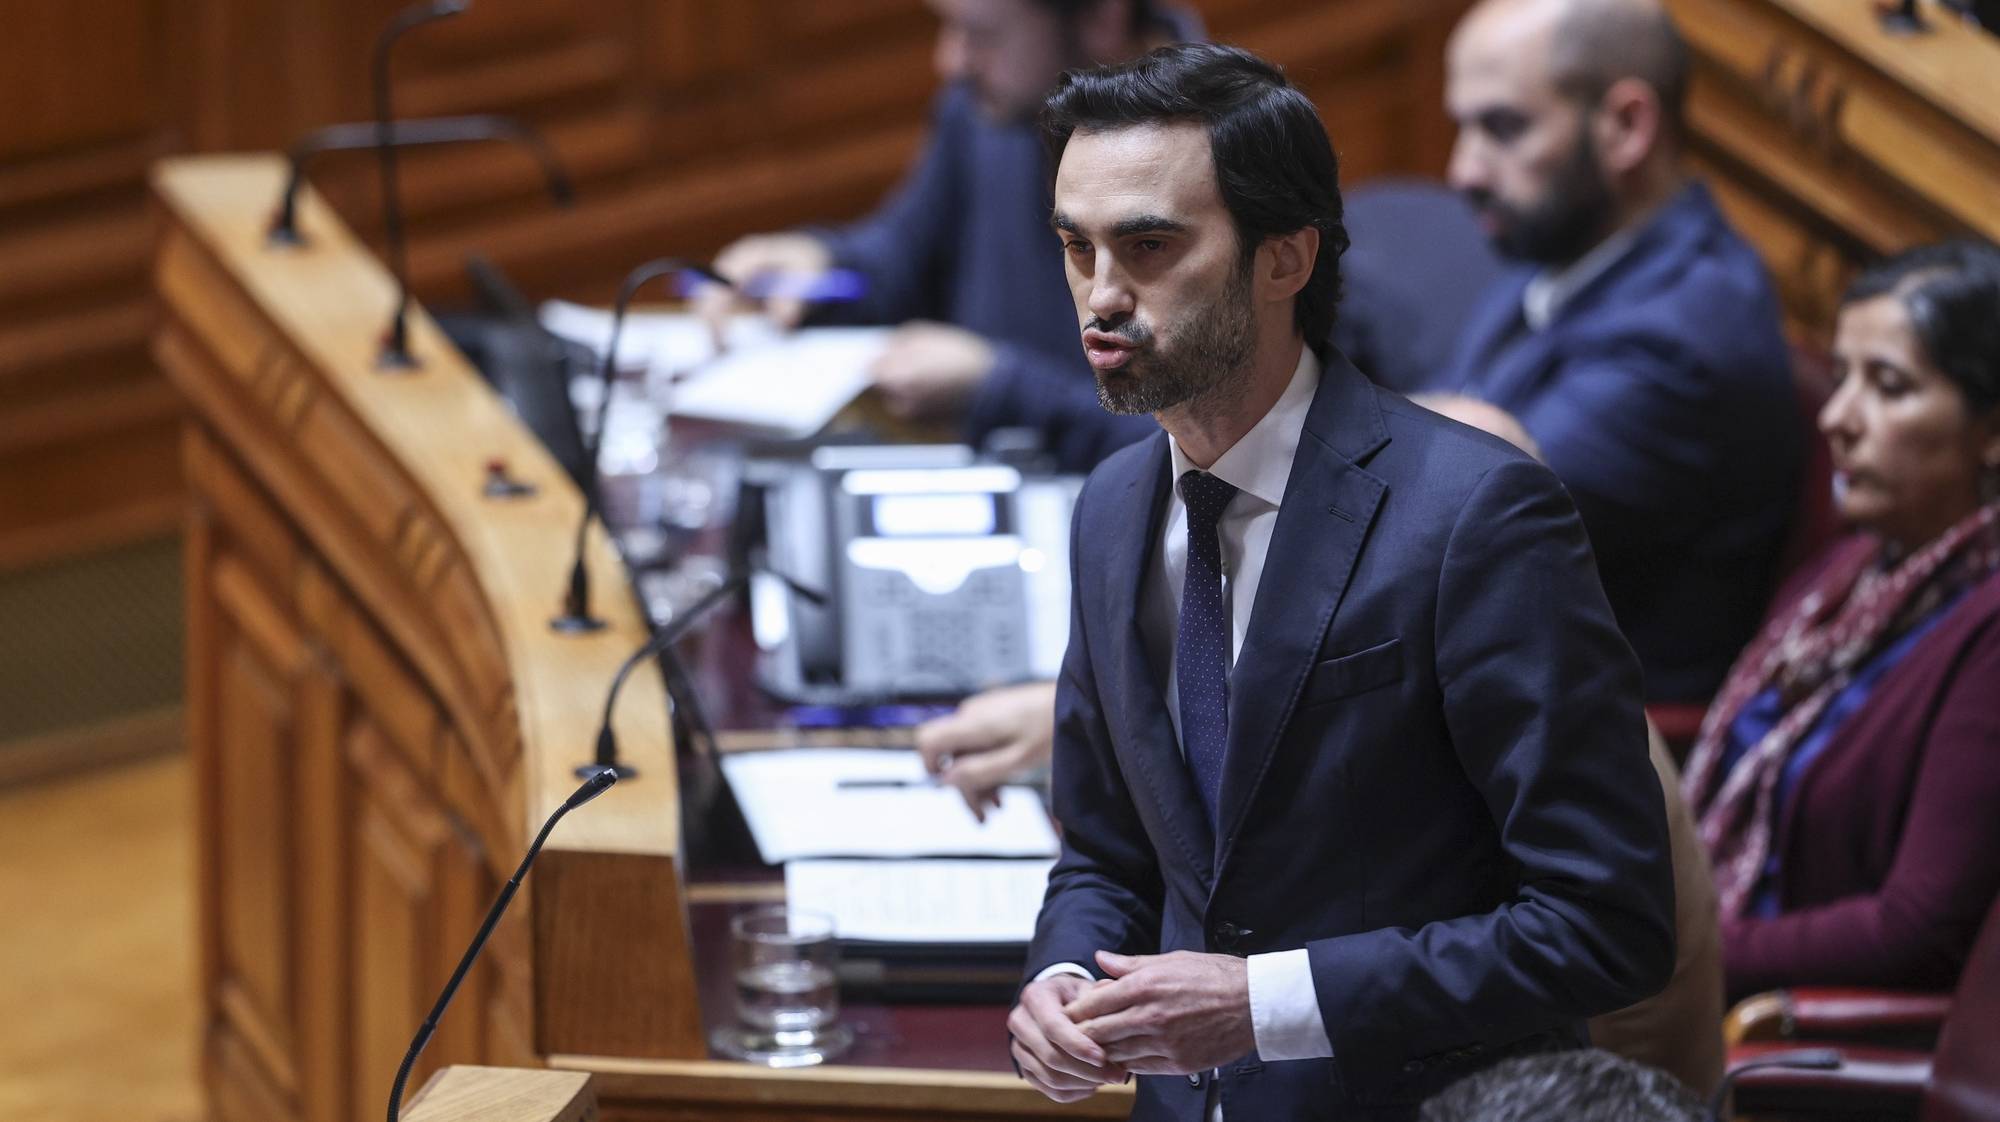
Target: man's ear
<point>1285,263</point>
<point>1104,31</point>
<point>1626,126</point>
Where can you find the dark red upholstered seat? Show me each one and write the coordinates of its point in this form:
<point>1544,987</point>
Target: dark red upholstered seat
<point>1958,1081</point>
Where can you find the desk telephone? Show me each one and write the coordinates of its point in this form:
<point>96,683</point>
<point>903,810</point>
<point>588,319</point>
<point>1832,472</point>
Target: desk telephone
<point>943,574</point>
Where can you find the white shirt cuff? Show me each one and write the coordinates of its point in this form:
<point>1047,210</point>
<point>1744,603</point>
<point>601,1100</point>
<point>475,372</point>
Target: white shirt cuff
<point>1284,1007</point>
<point>1071,968</point>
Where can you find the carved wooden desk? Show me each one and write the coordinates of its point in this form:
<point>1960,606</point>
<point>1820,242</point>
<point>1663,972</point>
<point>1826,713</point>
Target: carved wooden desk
<point>379,715</point>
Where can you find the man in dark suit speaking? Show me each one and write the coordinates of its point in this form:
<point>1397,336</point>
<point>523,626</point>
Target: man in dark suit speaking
<point>1349,755</point>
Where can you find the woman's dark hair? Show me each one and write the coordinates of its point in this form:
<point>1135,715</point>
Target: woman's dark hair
<point>1276,168</point>
<point>1951,292</point>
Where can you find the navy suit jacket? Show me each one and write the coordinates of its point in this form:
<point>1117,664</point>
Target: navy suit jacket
<point>1662,397</point>
<point>1436,777</point>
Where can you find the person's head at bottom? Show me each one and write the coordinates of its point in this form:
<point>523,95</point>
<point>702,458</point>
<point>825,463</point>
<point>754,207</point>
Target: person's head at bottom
<point>1578,1086</point>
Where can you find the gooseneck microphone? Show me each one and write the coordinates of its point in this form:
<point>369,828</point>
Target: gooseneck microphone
<point>599,782</point>
<point>396,347</point>
<point>1805,1059</point>
<point>576,616</point>
<point>661,645</point>
<point>410,134</point>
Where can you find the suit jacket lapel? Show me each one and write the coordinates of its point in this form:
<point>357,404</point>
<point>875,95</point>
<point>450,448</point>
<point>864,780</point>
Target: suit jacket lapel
<point>1328,506</point>
<point>1139,722</point>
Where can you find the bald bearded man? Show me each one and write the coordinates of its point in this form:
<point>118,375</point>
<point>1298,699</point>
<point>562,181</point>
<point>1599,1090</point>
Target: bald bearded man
<point>1637,338</point>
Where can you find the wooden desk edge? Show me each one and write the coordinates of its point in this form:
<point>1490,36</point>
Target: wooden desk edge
<point>834,1085</point>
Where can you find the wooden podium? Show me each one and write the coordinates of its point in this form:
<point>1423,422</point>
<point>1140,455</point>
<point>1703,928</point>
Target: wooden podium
<point>380,716</point>
<point>503,1094</point>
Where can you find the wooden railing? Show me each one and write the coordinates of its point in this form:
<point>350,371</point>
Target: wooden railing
<point>1831,141</point>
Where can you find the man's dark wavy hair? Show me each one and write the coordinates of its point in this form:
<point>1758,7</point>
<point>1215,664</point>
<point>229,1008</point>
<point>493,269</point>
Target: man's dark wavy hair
<point>1273,161</point>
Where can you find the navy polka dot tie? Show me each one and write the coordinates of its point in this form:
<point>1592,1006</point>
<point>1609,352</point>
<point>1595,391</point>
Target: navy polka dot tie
<point>1201,653</point>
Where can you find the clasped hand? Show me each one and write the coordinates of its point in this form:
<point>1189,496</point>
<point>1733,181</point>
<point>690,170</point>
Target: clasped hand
<point>1170,1014</point>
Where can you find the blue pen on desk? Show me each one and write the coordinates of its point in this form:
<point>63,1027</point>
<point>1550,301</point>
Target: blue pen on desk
<point>880,784</point>
<point>865,716</point>
<point>831,286</point>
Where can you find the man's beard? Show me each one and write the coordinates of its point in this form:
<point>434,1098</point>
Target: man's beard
<point>1199,364</point>
<point>1566,222</point>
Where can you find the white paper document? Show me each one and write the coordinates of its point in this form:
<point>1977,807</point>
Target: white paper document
<point>671,340</point>
<point>783,383</point>
<point>792,386</point>
<point>922,901</point>
<point>864,802</point>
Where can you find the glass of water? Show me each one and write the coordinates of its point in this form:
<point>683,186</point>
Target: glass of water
<point>787,994</point>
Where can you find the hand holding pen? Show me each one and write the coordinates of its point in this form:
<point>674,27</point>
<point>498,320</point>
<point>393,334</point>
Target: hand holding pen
<point>781,274</point>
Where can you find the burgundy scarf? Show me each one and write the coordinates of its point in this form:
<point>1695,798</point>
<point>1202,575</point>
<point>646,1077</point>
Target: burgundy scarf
<point>1810,654</point>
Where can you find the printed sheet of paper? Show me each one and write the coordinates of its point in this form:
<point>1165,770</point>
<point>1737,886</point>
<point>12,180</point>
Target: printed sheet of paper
<point>784,383</point>
<point>672,340</point>
<point>927,900</point>
<point>864,802</point>
<point>792,386</point>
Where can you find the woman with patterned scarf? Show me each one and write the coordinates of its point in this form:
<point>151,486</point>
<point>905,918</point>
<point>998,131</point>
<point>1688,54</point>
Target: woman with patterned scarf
<point>1847,778</point>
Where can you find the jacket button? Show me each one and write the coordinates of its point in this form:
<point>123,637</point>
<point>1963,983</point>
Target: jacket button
<point>1413,1067</point>
<point>1195,1080</point>
<point>1228,936</point>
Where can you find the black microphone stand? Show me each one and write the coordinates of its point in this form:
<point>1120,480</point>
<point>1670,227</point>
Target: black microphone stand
<point>396,347</point>
<point>409,134</point>
<point>598,782</point>
<point>1809,1059</point>
<point>661,646</point>
<point>576,616</point>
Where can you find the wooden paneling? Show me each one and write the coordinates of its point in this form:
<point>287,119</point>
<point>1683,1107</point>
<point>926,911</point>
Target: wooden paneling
<point>86,433</point>
<point>1831,142</point>
<point>337,856</point>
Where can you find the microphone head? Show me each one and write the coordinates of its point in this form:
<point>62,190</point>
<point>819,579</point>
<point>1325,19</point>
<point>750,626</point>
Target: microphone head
<point>1804,1059</point>
<point>599,782</point>
<point>803,591</point>
<point>698,269</point>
